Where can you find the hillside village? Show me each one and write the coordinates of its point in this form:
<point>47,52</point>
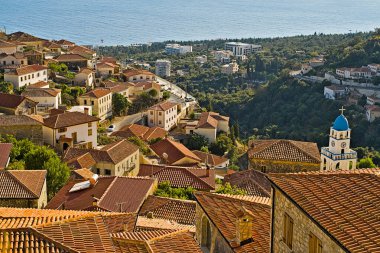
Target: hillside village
<point>101,155</point>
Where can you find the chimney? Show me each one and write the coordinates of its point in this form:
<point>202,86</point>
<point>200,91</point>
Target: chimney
<point>86,111</point>
<point>244,223</point>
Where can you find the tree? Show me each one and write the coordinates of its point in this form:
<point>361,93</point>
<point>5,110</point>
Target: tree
<point>366,163</point>
<point>153,93</point>
<point>164,189</point>
<point>228,189</point>
<point>222,145</point>
<point>6,87</point>
<point>141,144</point>
<point>57,175</point>
<point>166,95</point>
<point>120,104</point>
<point>196,142</point>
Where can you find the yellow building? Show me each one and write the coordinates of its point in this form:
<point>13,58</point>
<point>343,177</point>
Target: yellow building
<point>100,100</point>
<point>281,156</point>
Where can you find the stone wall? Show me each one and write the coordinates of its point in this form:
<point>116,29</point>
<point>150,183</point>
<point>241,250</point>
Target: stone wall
<point>32,132</point>
<point>218,243</point>
<point>282,167</point>
<point>302,227</point>
<point>23,203</point>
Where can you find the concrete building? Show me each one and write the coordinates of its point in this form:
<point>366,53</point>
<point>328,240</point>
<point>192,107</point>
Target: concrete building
<point>16,59</point>
<point>100,100</point>
<point>71,129</point>
<point>163,68</point>
<point>230,68</point>
<point>372,112</point>
<point>172,49</point>
<point>239,48</point>
<point>223,56</point>
<point>26,75</point>
<point>164,115</point>
<point>201,59</point>
<point>334,92</point>
<point>354,73</point>
<point>338,155</point>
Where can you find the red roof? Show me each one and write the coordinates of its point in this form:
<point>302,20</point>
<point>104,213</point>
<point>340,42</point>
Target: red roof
<point>143,132</point>
<point>109,191</point>
<point>68,119</point>
<point>163,106</point>
<point>174,150</point>
<point>97,93</point>
<point>181,177</point>
<point>5,151</point>
<point>10,100</point>
<point>134,72</point>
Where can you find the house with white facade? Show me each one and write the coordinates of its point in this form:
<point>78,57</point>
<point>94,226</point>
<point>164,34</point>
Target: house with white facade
<point>230,68</point>
<point>373,100</point>
<point>372,112</point>
<point>335,91</point>
<point>375,68</point>
<point>26,75</point>
<point>85,78</point>
<point>201,59</point>
<point>208,125</point>
<point>164,115</point>
<point>238,48</point>
<point>172,49</point>
<point>138,75</point>
<point>100,100</point>
<point>16,59</point>
<point>163,68</point>
<point>47,98</point>
<point>354,73</point>
<point>71,129</point>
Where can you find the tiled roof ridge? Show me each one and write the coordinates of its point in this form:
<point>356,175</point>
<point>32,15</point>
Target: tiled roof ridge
<point>87,215</point>
<point>145,243</point>
<point>201,178</point>
<point>247,198</point>
<point>296,144</point>
<point>22,185</point>
<point>371,171</point>
<point>180,200</point>
<point>106,191</point>
<point>168,234</point>
<point>175,145</point>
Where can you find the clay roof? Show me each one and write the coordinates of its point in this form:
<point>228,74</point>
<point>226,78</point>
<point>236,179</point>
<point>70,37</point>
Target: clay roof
<point>21,184</point>
<point>336,87</point>
<point>157,241</point>
<point>10,100</point>
<point>51,44</point>
<point>253,182</point>
<point>81,50</point>
<point>41,92</point>
<point>39,84</point>
<point>85,160</point>
<point>284,150</point>
<point>65,42</point>
<point>207,121</point>
<point>109,191</point>
<point>148,224</point>
<point>210,159</point>
<point>175,151</point>
<point>105,65</point>
<point>18,120</point>
<point>345,203</point>
<point>84,173</point>
<point>222,211</point>
<point>70,57</point>
<point>181,177</point>
<point>24,70</point>
<point>4,43</point>
<point>163,106</point>
<point>5,152</point>
<point>23,37</point>
<point>134,72</point>
<point>97,93</point>
<point>86,71</point>
<point>143,132</point>
<point>181,211</point>
<point>68,119</point>
<point>146,85</point>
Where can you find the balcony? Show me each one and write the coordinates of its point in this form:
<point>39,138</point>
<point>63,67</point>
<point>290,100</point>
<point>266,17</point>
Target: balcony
<point>336,157</point>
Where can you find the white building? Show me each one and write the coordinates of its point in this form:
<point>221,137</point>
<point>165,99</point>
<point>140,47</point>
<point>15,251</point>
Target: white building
<point>26,75</point>
<point>163,68</point>
<point>372,112</point>
<point>15,59</point>
<point>164,115</point>
<point>372,100</point>
<point>334,91</point>
<point>81,108</point>
<point>223,56</point>
<point>239,48</point>
<point>172,49</point>
<point>230,68</point>
<point>85,77</point>
<point>71,129</point>
<point>375,68</point>
<point>201,59</point>
<point>354,73</point>
<point>47,98</point>
<point>7,47</point>
<point>338,155</point>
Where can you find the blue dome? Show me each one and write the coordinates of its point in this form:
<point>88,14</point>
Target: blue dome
<point>341,123</point>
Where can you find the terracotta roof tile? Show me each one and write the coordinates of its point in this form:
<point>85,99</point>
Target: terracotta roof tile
<point>163,106</point>
<point>83,161</point>
<point>345,203</point>
<point>32,179</point>
<point>41,92</point>
<point>107,191</point>
<point>181,211</point>
<point>24,70</point>
<point>10,100</point>
<point>175,151</point>
<point>18,120</point>
<point>284,150</point>
<point>221,210</point>
<point>133,72</point>
<point>5,152</point>
<point>97,93</point>
<point>84,173</point>
<point>70,57</point>
<point>206,121</point>
<point>150,224</point>
<point>143,132</point>
<point>181,176</point>
<point>39,84</point>
<point>210,159</point>
<point>68,119</point>
<point>252,181</point>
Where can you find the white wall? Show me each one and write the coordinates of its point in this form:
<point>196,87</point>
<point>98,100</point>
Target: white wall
<point>166,120</point>
<point>25,80</point>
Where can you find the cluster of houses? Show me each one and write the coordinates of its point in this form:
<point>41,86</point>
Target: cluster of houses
<point>364,72</point>
<point>109,204</point>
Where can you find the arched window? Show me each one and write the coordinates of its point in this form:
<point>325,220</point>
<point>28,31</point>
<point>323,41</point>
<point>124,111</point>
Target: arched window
<point>337,167</point>
<point>206,233</point>
<point>324,163</point>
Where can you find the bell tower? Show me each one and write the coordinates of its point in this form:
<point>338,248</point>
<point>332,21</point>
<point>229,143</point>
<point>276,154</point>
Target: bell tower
<point>338,155</point>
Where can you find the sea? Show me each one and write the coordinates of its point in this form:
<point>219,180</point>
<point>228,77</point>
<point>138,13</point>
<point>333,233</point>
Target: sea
<point>125,22</point>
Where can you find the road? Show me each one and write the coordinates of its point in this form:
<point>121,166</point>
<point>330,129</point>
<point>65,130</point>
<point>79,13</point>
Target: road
<point>119,122</point>
<point>174,89</point>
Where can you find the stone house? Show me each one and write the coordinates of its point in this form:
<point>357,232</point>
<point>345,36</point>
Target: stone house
<point>120,158</point>
<point>283,156</point>
<point>22,127</point>
<point>339,214</point>
<point>230,223</point>
<point>15,59</point>
<point>100,100</point>
<point>85,78</point>
<point>71,129</point>
<point>47,98</point>
<point>7,47</point>
<point>74,62</point>
<point>17,105</point>
<point>23,188</point>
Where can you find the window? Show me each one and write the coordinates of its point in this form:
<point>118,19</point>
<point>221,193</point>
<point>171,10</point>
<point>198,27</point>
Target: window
<point>151,121</point>
<point>315,245</point>
<point>32,75</point>
<point>107,172</point>
<point>160,122</point>
<point>89,132</point>
<point>151,112</point>
<point>89,124</point>
<point>85,102</point>
<point>21,79</point>
<point>62,130</point>
<point>160,113</point>
<point>98,171</point>
<point>38,74</point>
<point>288,231</point>
<point>264,169</point>
<point>92,102</point>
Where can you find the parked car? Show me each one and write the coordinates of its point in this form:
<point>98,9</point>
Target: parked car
<point>111,128</point>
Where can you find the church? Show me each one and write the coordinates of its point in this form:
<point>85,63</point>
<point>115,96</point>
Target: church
<point>338,155</point>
